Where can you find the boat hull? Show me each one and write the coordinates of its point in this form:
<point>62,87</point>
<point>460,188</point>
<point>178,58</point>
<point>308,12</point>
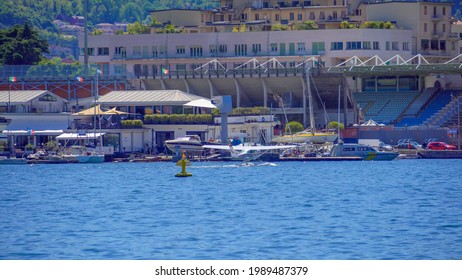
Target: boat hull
<point>90,158</point>
<point>184,146</point>
<point>317,138</point>
<point>13,161</point>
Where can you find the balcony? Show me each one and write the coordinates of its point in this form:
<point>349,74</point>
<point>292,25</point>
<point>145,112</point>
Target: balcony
<point>436,18</point>
<point>437,35</point>
<point>453,36</point>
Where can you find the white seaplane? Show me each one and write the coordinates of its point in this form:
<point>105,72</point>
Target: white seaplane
<point>247,153</point>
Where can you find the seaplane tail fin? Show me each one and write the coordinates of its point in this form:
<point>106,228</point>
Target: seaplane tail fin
<point>232,150</point>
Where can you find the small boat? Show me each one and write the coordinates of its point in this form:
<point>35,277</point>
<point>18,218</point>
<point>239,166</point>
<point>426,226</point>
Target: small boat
<point>12,160</point>
<point>363,151</point>
<point>80,154</point>
<point>191,143</point>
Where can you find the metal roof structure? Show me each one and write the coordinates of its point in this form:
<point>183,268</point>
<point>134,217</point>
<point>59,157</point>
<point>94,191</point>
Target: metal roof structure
<point>23,96</point>
<point>151,97</point>
<point>396,66</point>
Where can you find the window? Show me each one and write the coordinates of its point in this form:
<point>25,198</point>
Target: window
<point>444,11</point>
<point>425,44</point>
<point>91,51</point>
<point>366,45</point>
<point>195,51</point>
<point>277,17</point>
<point>376,45</point>
<point>322,15</point>
<point>103,51</point>
<point>442,45</point>
<point>223,49</point>
<point>301,46</point>
<point>444,28</point>
<point>425,27</point>
<point>425,10</point>
<point>136,51</point>
<point>299,17</point>
<point>154,51</point>
<point>48,98</point>
<point>406,46</point>
<point>312,16</point>
<point>162,51</point>
<point>120,51</point>
<point>353,45</point>
<point>291,16</point>
<point>257,16</point>
<point>213,49</point>
<point>180,49</point>
<point>336,46</point>
<point>394,46</point>
<point>256,48</point>
<point>387,46</point>
<point>240,50</point>
<point>274,47</point>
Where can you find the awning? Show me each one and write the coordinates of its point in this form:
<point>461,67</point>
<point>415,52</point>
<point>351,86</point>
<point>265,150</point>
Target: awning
<point>91,112</point>
<point>32,132</point>
<point>203,103</point>
<point>78,136</point>
<point>38,124</point>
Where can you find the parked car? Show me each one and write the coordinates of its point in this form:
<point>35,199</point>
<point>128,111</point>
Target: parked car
<point>440,146</point>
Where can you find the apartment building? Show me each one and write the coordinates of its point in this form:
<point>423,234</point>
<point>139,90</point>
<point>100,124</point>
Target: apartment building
<point>147,54</point>
<point>430,22</point>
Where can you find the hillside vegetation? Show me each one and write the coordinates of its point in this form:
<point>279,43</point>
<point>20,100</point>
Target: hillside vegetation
<point>41,14</point>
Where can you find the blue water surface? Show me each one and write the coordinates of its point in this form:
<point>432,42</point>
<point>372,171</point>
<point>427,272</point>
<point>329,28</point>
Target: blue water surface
<point>403,209</point>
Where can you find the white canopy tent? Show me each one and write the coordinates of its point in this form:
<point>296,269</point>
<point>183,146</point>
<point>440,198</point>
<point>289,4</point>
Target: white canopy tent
<point>202,103</point>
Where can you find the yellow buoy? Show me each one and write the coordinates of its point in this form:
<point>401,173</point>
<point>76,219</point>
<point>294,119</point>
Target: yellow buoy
<point>183,162</point>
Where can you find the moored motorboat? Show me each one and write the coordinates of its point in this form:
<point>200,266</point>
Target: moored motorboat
<point>188,143</point>
<point>363,151</point>
<point>12,160</point>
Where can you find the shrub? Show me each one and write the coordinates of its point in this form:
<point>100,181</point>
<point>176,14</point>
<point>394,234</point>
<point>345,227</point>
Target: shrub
<point>294,127</point>
<point>335,125</point>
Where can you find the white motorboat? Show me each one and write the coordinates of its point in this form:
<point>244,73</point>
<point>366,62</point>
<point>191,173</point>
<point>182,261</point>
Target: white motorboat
<point>191,143</point>
<point>363,151</point>
<point>12,160</point>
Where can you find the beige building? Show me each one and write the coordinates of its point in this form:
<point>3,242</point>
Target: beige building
<point>429,21</point>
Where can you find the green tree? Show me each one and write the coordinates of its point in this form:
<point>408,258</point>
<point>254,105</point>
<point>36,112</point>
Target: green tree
<point>293,127</point>
<point>138,28</point>
<point>335,125</point>
<point>307,25</point>
<point>21,45</point>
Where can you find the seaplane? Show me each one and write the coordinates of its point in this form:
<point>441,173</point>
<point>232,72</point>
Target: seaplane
<point>247,153</point>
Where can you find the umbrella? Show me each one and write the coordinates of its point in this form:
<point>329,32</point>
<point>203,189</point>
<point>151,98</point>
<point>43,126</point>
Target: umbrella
<point>203,103</point>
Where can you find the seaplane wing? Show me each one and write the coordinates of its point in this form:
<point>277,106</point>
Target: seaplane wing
<point>248,148</point>
<point>247,153</point>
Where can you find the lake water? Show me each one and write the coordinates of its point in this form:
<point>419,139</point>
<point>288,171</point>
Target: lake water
<point>403,209</point>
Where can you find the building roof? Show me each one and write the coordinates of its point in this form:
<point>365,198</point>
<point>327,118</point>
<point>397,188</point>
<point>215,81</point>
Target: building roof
<point>23,96</point>
<point>148,97</point>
